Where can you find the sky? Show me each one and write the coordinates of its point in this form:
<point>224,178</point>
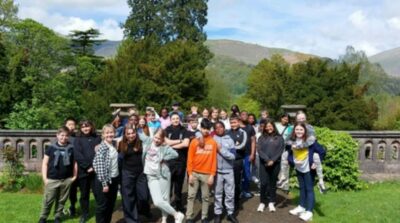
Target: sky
<point>319,27</point>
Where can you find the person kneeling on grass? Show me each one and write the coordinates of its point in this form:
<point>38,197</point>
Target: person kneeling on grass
<point>59,170</point>
<point>201,168</point>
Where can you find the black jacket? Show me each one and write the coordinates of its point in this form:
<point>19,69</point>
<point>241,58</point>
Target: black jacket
<point>84,152</point>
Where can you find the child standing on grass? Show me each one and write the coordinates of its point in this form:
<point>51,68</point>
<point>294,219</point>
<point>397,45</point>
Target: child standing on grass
<point>201,168</point>
<point>59,170</point>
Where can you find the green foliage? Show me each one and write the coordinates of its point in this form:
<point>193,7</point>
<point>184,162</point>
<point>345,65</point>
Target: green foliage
<point>389,112</point>
<point>8,14</point>
<point>248,104</point>
<point>12,178</point>
<point>329,89</point>
<point>83,42</point>
<point>33,183</point>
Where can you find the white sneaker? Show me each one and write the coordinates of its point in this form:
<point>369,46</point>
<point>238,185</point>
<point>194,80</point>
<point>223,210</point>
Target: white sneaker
<point>164,220</point>
<point>261,207</point>
<point>297,211</point>
<point>255,179</point>
<point>271,207</point>
<point>306,216</point>
<point>179,217</point>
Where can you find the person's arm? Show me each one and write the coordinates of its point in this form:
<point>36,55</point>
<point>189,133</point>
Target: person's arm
<point>100,168</point>
<point>225,153</point>
<point>143,137</point>
<point>78,155</point>
<point>170,153</point>
<point>183,144</point>
<point>45,164</point>
<point>75,173</point>
<point>210,181</point>
<point>253,148</point>
<point>279,150</point>
<point>172,142</point>
<point>189,164</point>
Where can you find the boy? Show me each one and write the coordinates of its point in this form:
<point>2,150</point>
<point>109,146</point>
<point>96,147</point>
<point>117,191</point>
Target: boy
<point>201,168</point>
<point>152,122</point>
<point>59,170</point>
<point>193,132</point>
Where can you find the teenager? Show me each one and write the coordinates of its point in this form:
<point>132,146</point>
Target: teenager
<point>235,111</point>
<point>153,122</point>
<point>164,118</point>
<point>59,170</point>
<point>201,169</point>
<point>116,122</point>
<point>134,188</point>
<point>84,151</point>
<point>225,182</point>
<point>239,137</point>
<point>175,109</point>
<point>264,114</point>
<point>105,165</point>
<point>133,119</point>
<point>223,117</point>
<point>302,158</point>
<point>270,146</point>
<point>252,120</point>
<point>177,137</point>
<point>214,115</point>
<point>156,154</point>
<point>205,114</point>
<point>285,129</point>
<point>192,130</point>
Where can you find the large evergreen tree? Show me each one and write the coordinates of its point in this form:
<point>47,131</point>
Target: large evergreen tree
<point>83,42</point>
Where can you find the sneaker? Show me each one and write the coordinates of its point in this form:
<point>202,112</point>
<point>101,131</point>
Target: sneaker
<point>255,179</point>
<point>179,217</point>
<point>231,218</point>
<point>306,216</point>
<point>247,195</point>
<point>271,207</point>
<point>164,220</point>
<point>42,220</point>
<point>57,220</point>
<point>321,187</point>
<point>297,211</point>
<point>217,218</point>
<point>204,221</point>
<point>261,207</point>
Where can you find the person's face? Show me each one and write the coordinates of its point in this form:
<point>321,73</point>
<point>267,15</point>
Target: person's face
<point>175,108</point>
<point>214,114</point>
<point>194,109</point>
<point>71,125</point>
<point>175,121</point>
<point>108,135</point>
<point>261,127</point>
<point>301,118</point>
<point>117,122</point>
<point>62,138</point>
<point>251,120</point>
<point>223,114</point>
<point>269,128</point>
<point>133,120</point>
<point>219,130</point>
<point>234,123</point>
<point>194,124</point>
<point>86,129</point>
<point>204,132</point>
<point>157,139</point>
<point>205,113</point>
<point>164,113</point>
<point>152,117</point>
<point>142,122</point>
<point>299,131</point>
<point>264,115</point>
<point>284,120</point>
<point>130,135</point>
<point>244,116</point>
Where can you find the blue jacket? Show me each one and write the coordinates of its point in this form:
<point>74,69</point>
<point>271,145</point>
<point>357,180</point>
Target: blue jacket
<point>314,148</point>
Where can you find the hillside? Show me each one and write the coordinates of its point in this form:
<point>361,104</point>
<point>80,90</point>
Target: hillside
<point>389,60</point>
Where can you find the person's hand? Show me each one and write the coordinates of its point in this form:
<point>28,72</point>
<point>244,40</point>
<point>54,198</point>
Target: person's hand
<point>45,181</point>
<point>201,142</point>
<point>270,163</point>
<point>73,179</point>
<point>105,189</point>
<point>294,146</point>
<point>90,170</point>
<point>210,181</point>
<point>191,179</point>
<point>252,158</point>
<point>313,166</point>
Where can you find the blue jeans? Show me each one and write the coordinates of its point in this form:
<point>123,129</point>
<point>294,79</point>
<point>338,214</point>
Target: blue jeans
<point>246,173</point>
<point>306,184</point>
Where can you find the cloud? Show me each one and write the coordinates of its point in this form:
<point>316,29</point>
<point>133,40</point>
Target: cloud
<point>358,19</point>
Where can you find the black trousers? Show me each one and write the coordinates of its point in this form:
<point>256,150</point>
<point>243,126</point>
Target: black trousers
<point>105,202</point>
<point>268,178</point>
<point>237,172</point>
<point>135,195</point>
<point>85,183</point>
<point>73,194</point>
<point>178,174</point>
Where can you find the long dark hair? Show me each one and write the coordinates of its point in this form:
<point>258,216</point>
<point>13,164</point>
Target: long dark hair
<point>87,123</point>
<point>264,131</point>
<point>123,145</point>
<point>293,135</point>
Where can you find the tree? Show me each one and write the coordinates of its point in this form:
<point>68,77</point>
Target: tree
<point>83,42</point>
<point>8,14</point>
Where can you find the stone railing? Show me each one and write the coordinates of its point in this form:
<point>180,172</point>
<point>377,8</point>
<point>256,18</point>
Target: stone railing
<point>379,155</point>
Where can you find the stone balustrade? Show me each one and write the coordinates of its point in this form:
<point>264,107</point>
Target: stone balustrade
<point>379,155</point>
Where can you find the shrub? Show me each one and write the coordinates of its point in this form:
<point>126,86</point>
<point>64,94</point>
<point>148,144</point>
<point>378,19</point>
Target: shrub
<point>12,178</point>
<point>33,182</point>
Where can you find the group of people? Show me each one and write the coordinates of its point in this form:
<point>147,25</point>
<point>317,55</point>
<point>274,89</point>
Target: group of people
<point>150,156</point>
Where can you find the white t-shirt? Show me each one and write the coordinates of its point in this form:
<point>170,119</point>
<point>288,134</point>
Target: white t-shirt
<point>152,162</point>
<point>113,160</point>
<point>300,157</point>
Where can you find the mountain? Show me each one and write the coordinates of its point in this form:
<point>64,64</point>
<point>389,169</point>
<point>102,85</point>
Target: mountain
<point>389,60</point>
<point>244,52</point>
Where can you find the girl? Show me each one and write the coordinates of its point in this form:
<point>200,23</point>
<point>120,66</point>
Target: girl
<point>204,114</point>
<point>84,150</point>
<point>214,115</point>
<point>302,157</point>
<point>105,164</point>
<point>235,110</point>
<point>155,153</point>
<point>223,117</point>
<point>164,119</point>
<point>252,120</point>
<point>133,182</point>
<point>270,147</point>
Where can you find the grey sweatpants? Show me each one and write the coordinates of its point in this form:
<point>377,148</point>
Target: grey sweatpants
<point>160,188</point>
<point>225,182</point>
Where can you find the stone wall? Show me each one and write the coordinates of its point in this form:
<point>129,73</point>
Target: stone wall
<point>379,155</point>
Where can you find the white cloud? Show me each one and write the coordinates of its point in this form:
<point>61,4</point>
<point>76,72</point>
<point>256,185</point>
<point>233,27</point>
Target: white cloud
<point>394,22</point>
<point>358,19</point>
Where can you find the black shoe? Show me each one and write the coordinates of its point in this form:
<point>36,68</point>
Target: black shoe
<point>232,218</point>
<point>189,221</point>
<point>148,215</point>
<point>217,218</point>
<point>72,211</point>
<point>57,220</point>
<point>204,221</point>
<point>42,220</point>
<point>83,219</point>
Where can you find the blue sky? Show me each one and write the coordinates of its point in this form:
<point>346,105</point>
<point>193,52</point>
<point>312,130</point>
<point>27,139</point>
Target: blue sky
<point>323,27</point>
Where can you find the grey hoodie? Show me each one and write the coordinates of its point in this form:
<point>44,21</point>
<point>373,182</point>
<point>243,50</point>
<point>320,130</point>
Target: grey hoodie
<point>226,154</point>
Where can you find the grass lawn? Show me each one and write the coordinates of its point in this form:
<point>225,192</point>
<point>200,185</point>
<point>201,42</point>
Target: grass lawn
<point>379,203</point>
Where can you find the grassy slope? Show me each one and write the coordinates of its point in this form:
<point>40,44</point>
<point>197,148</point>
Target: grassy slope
<point>389,60</point>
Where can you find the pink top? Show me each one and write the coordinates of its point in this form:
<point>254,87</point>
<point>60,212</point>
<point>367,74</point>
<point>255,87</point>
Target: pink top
<point>165,122</point>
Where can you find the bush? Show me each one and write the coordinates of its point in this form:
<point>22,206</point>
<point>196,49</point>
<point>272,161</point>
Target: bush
<point>33,182</point>
<point>12,178</point>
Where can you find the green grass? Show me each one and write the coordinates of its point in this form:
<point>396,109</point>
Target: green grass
<point>379,203</point>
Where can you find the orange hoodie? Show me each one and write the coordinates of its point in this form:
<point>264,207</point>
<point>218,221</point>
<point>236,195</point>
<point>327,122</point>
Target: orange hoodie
<point>202,160</point>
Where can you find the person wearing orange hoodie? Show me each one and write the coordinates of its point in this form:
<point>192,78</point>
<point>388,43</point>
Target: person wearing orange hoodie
<point>201,168</point>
